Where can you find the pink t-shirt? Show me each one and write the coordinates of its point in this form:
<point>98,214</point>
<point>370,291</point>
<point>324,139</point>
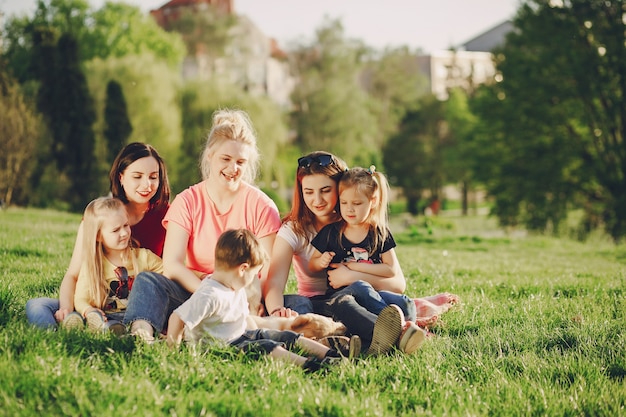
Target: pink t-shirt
<point>195,212</point>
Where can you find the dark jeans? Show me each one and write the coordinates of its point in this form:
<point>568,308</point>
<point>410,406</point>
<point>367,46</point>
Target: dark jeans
<point>298,303</point>
<point>355,317</point>
<point>264,341</point>
<point>374,301</point>
<point>153,298</point>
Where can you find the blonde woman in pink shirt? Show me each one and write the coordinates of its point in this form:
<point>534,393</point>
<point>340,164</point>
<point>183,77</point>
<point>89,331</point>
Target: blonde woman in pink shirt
<point>225,199</point>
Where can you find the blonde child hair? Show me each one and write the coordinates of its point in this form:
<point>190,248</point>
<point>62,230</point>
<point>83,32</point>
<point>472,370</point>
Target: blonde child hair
<point>94,250</point>
<point>231,125</point>
<point>238,246</point>
<point>373,185</point>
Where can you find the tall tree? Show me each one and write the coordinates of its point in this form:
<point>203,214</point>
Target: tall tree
<point>20,126</point>
<point>331,109</point>
<point>566,106</point>
<point>69,111</point>
<point>393,79</point>
<point>117,126</point>
<point>458,148</point>
<point>413,156</point>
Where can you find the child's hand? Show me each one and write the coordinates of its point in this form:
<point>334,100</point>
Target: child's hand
<point>104,316</point>
<point>340,275</point>
<point>325,259</point>
<point>61,313</point>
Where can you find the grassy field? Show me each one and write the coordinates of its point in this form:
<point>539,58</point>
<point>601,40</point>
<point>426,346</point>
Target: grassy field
<point>540,331</point>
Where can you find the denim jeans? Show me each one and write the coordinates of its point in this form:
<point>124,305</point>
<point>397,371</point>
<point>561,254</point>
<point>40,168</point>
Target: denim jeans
<point>357,319</point>
<point>40,312</point>
<point>298,303</point>
<point>265,340</point>
<point>374,301</point>
<point>153,298</point>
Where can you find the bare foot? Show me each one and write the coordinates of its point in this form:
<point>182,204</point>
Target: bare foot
<point>443,298</point>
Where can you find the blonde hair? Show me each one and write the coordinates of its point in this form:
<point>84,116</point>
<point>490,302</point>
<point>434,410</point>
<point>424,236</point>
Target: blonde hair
<point>373,185</point>
<point>93,250</point>
<point>300,216</point>
<point>237,246</point>
<point>231,125</point>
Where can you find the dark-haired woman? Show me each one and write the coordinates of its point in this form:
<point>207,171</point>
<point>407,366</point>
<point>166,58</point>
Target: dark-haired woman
<point>138,177</point>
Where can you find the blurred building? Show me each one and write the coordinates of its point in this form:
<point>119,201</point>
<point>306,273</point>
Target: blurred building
<point>251,59</point>
<point>466,67</point>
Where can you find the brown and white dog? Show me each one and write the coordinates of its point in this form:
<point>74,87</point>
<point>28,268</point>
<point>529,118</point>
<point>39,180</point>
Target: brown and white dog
<point>314,326</point>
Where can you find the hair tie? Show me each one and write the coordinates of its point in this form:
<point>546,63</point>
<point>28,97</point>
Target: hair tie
<point>371,170</point>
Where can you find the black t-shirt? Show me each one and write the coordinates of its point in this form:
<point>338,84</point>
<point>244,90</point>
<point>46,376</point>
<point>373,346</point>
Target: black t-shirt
<point>347,251</point>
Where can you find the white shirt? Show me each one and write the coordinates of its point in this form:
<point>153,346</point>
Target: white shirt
<point>309,283</point>
<point>214,312</point>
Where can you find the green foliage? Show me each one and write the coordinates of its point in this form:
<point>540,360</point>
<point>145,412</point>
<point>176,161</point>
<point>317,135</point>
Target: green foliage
<point>151,91</point>
<point>413,156</point>
<point>68,109</point>
<point>560,104</point>
<point>20,127</point>
<point>118,30</point>
<point>117,125</point>
<point>395,83</point>
<point>115,30</point>
<point>331,110</point>
<point>539,332</point>
<point>203,31</point>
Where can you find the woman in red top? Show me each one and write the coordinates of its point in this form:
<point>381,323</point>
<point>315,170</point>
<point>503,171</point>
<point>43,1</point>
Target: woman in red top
<point>139,178</point>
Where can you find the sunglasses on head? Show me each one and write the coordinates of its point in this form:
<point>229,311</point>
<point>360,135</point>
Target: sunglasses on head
<point>321,160</point>
<point>121,288</point>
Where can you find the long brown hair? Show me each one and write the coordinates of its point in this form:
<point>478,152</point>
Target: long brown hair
<point>129,154</point>
<point>300,216</point>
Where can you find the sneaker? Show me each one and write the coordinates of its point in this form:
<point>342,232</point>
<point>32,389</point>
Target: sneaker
<point>348,347</point>
<point>411,338</point>
<point>354,347</point>
<point>73,321</point>
<point>339,343</point>
<point>314,364</point>
<point>115,327</point>
<point>142,330</point>
<point>387,330</point>
<point>95,321</point>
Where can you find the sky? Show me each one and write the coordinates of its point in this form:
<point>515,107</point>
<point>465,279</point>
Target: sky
<point>426,24</point>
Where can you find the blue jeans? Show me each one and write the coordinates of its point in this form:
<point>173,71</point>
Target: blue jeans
<point>153,298</point>
<point>40,312</point>
<point>298,303</point>
<point>374,301</point>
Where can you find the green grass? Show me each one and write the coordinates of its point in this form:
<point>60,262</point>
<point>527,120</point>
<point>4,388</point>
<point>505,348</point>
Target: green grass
<point>540,331</point>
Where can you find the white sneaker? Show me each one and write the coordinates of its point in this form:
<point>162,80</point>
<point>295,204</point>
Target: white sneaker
<point>95,321</point>
<point>387,330</point>
<point>142,330</point>
<point>411,338</point>
<point>73,321</point>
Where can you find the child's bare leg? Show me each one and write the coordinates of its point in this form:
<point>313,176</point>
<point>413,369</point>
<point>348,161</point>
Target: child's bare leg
<point>313,347</point>
<point>283,354</point>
